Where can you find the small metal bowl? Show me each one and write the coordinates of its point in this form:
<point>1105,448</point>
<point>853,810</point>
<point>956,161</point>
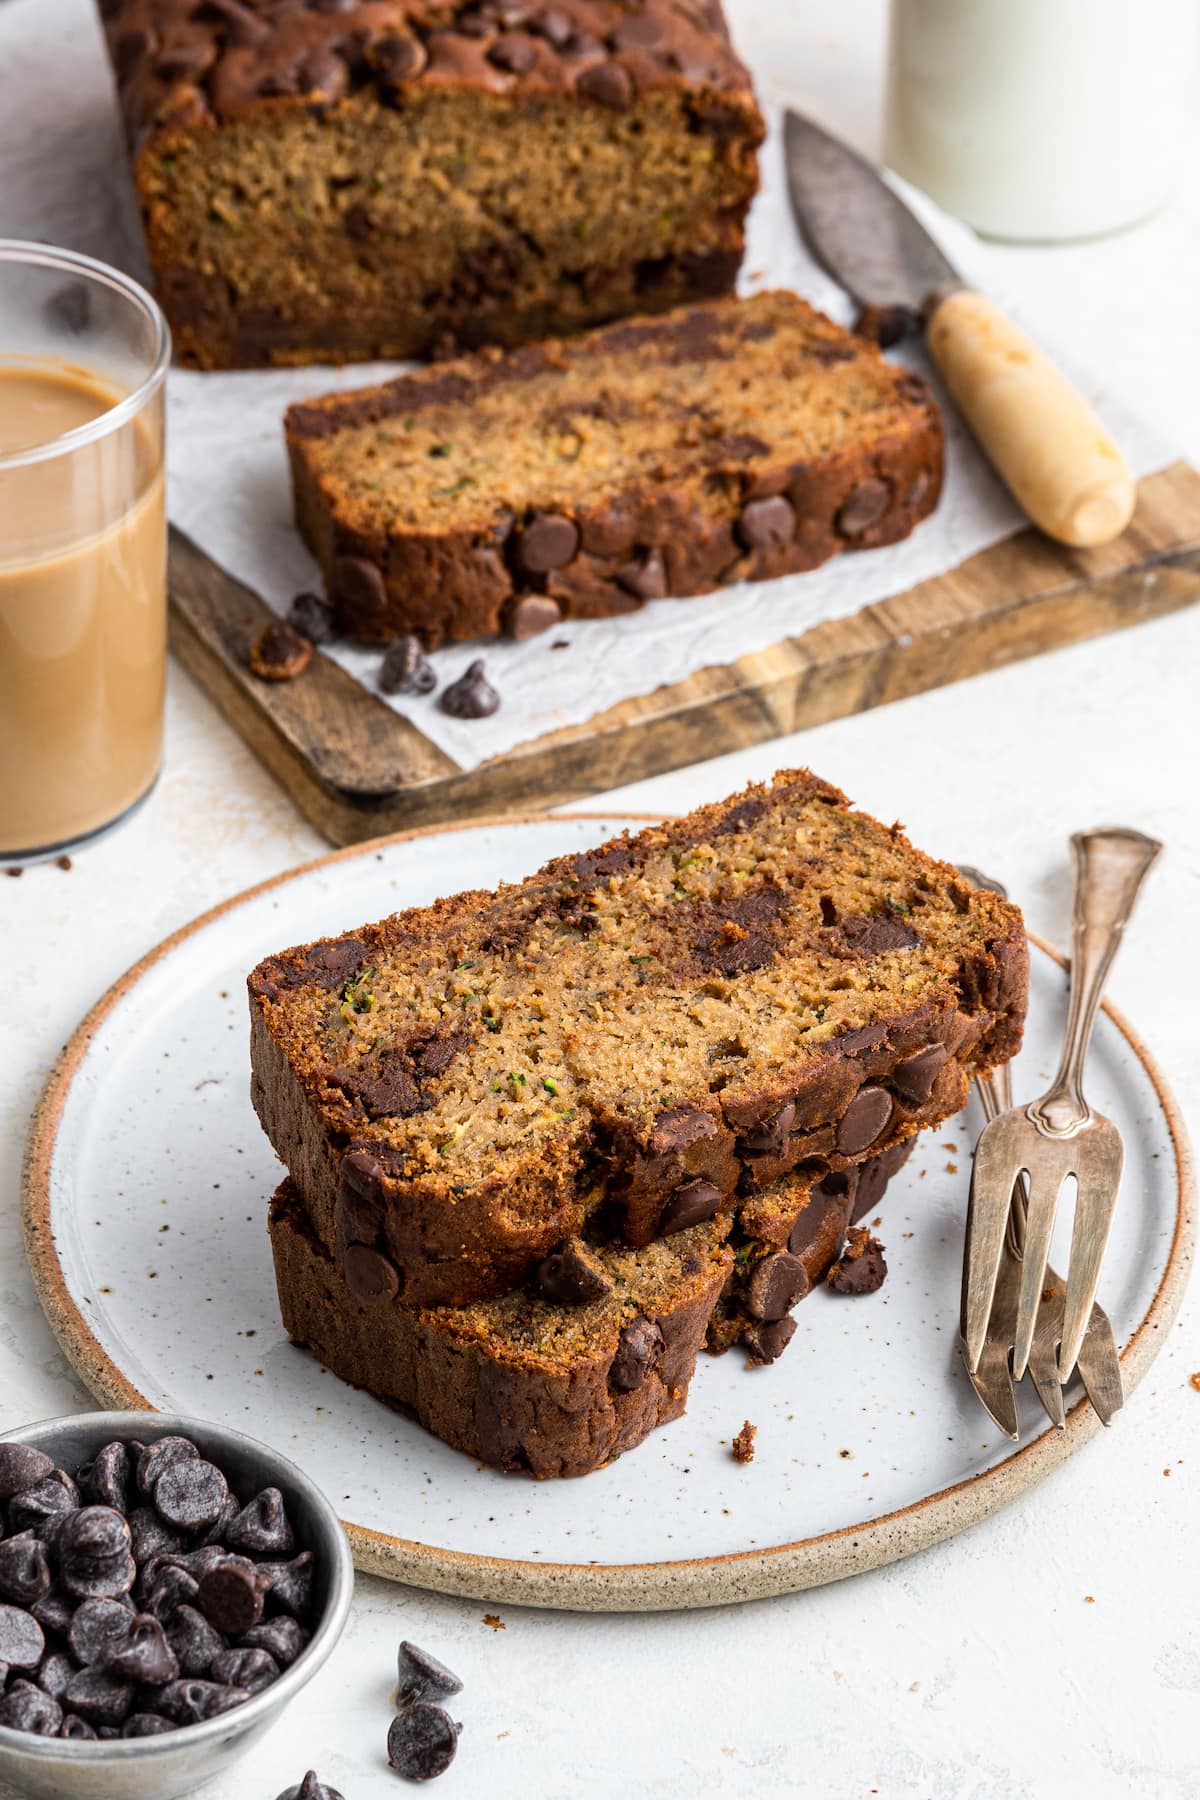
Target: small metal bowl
<point>177,1762</point>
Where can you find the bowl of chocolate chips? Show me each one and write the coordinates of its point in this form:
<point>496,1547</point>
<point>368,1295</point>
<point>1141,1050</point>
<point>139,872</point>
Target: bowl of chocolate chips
<point>167,1586</point>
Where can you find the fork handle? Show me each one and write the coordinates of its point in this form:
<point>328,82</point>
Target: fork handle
<point>1110,866</point>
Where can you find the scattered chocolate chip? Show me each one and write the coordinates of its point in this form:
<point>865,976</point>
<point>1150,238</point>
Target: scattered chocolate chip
<point>99,1697</point>
<point>26,1708</point>
<point>42,1507</point>
<point>291,1583</point>
<point>472,696</point>
<point>153,1459</point>
<point>547,542</point>
<point>766,523</point>
<point>75,1727</point>
<point>861,1268</point>
<point>262,1527</point>
<point>310,1789</point>
<point>22,1467</point>
<point>422,1677</point>
<point>863,1121</point>
<point>532,614</point>
<point>98,1630</point>
<point>865,507</point>
<point>313,618</point>
<point>770,1138</point>
<point>190,1702</point>
<point>913,1079</point>
<point>192,1495</point>
<point>573,1275</point>
<point>639,1350</point>
<point>421,1741</point>
<point>143,1724</point>
<point>145,1656</point>
<point>406,669</point>
<point>22,1641</point>
<point>646,576</point>
<point>775,1285</point>
<point>690,1204</point>
<point>24,1569</point>
<point>194,1641</point>
<point>767,1341</point>
<point>359,583</point>
<point>279,652</point>
<point>887,325</point>
<point>608,83</point>
<point>253,1670</point>
<point>369,1274</point>
<point>231,1596</point>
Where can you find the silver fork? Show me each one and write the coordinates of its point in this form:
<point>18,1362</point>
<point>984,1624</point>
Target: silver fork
<point>1058,1136</point>
<point>1099,1362</point>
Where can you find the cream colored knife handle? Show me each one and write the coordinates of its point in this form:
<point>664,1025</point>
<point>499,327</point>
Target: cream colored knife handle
<point>1044,441</point>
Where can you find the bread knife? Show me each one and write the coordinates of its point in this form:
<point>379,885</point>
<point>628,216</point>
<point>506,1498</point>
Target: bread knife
<point>1039,434</point>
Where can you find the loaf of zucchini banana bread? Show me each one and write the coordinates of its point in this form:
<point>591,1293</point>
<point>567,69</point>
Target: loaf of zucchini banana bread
<point>327,180</point>
<point>628,1041</point>
<point>730,441</point>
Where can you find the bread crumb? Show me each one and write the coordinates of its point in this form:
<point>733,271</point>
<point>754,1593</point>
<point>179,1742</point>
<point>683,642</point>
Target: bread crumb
<point>495,1621</point>
<point>1090,1599</point>
<point>743,1444</point>
<point>952,1168</point>
<point>1194,1381</point>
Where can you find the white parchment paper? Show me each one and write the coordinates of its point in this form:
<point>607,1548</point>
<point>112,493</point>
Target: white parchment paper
<point>63,179</point>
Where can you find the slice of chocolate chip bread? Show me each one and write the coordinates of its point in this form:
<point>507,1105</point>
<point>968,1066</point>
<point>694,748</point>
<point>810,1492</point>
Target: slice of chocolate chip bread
<point>631,1038</point>
<point>527,1382</point>
<point>325,180</point>
<point>785,1239</point>
<point>726,442</point>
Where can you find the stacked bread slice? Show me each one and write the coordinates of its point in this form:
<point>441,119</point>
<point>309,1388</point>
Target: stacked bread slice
<point>543,1140</point>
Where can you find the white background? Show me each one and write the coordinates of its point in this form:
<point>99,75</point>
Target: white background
<point>977,1671</point>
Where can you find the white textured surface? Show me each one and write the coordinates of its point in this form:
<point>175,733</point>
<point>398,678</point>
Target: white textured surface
<point>228,480</point>
<point>977,1671</point>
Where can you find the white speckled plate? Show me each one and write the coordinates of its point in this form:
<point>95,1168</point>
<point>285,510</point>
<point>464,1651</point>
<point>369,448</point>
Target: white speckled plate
<point>146,1195</point>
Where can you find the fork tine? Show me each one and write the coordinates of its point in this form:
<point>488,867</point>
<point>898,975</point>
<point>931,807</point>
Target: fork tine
<point>992,1180</point>
<point>1095,1204</point>
<point>1100,1367</point>
<point>992,1382</point>
<point>1043,1356</point>
<point>1039,1226</point>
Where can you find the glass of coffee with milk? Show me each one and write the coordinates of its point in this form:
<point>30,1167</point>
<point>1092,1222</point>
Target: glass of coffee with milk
<point>83,548</point>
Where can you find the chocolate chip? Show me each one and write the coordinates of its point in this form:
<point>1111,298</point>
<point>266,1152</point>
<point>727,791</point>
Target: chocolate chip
<point>145,1656</point>
<point>874,934</point>
<point>641,31</point>
<point>646,576</point>
<point>865,507</point>
<point>253,1670</point>
<point>291,1583</point>
<point>216,1532</point>
<point>55,1610</point>
<point>397,57</point>
<point>99,1697</point>
<point>861,1269</point>
<point>323,75</point>
<point>690,1204</point>
<point>776,1284</point>
<point>279,652</point>
<point>887,325</point>
<point>763,524</point>
<point>359,583</point>
<point>190,1702</point>
<point>92,1547</point>
<point>422,1677</point>
<point>105,1480</point>
<point>573,1275</point>
<point>75,1727</point>
<point>22,1641</point>
<point>171,1588</point>
<point>192,1495</point>
<point>98,1630</point>
<point>770,1138</point>
<point>472,696</point>
<point>262,1527</point>
<point>513,52</point>
<point>767,1341</point>
<point>22,1467</point>
<point>54,1671</point>
<point>24,1569</point>
<point>187,60</point>
<point>154,1459</point>
<point>864,1119</point>
<point>639,1351</point>
<point>606,82</point>
<point>913,1079</point>
<point>369,1274</point>
<point>313,618</point>
<point>818,1211</point>
<point>144,1724</point>
<point>547,542</point>
<point>532,614</point>
<point>194,1641</point>
<point>421,1741</point>
<point>231,1596</point>
<point>310,1789</point>
<point>680,1126</point>
<point>26,1708</point>
<point>282,1638</point>
<point>406,669</point>
<point>554,25</point>
<point>42,1507</point>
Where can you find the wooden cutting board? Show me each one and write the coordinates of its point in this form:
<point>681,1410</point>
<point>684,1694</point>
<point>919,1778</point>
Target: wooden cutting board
<point>357,769</point>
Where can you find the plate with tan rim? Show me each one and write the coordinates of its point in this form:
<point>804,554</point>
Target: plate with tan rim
<point>145,1201</point>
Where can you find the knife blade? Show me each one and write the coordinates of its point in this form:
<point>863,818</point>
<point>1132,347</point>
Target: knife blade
<point>1040,435</point>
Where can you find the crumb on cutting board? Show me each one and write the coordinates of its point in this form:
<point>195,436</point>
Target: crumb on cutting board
<point>743,1444</point>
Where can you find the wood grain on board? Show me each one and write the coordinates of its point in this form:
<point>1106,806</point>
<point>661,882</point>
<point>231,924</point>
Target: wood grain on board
<point>357,769</point>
